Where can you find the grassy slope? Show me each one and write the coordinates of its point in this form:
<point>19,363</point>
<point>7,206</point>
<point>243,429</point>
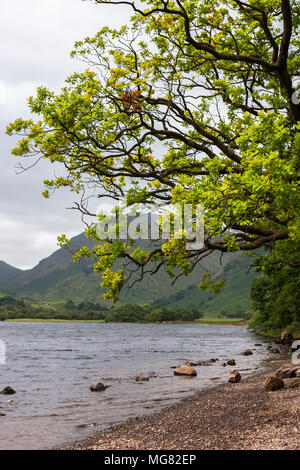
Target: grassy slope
<point>58,279</point>
<point>233,298</point>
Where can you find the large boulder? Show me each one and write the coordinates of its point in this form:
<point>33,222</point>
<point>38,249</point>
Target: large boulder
<point>185,370</point>
<point>273,383</point>
<point>8,391</point>
<point>286,338</point>
<point>234,377</point>
<point>286,372</point>
<point>292,383</point>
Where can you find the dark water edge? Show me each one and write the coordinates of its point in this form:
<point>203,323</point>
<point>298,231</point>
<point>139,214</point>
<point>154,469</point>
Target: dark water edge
<point>52,366</point>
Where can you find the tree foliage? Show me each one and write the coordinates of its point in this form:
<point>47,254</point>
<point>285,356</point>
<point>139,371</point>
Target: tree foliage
<point>14,308</point>
<point>193,102</point>
<point>276,300</point>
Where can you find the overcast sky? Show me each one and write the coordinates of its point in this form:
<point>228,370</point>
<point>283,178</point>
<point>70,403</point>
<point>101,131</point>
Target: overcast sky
<point>36,37</point>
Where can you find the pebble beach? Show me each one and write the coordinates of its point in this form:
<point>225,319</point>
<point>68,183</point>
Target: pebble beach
<point>241,416</point>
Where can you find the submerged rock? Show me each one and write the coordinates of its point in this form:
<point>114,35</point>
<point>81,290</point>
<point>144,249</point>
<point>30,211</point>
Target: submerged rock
<point>98,387</point>
<point>141,378</point>
<point>231,361</point>
<point>247,352</point>
<point>185,370</point>
<point>273,383</point>
<point>8,391</point>
<point>200,363</point>
<point>234,377</point>
<point>206,363</point>
<point>152,375</point>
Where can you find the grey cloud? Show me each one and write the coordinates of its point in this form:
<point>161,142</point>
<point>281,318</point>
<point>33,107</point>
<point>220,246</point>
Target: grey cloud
<point>36,37</point>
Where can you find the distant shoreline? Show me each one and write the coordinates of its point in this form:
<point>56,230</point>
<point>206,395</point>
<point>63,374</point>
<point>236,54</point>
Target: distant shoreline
<point>207,321</point>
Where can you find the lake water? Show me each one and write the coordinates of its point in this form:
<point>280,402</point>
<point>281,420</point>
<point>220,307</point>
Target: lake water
<point>51,366</point>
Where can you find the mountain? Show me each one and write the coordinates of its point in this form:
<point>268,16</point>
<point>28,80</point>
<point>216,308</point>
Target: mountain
<point>58,278</point>
<point>8,273</point>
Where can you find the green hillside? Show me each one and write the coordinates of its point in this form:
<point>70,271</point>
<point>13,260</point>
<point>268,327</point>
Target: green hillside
<point>232,300</point>
<point>57,278</point>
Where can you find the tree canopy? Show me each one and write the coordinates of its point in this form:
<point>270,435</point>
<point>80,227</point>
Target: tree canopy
<point>276,300</point>
<point>194,102</point>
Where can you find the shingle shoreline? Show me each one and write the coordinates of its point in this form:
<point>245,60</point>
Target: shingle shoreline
<point>239,416</point>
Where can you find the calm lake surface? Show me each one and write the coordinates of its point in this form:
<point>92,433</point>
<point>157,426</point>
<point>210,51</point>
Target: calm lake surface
<point>51,366</point>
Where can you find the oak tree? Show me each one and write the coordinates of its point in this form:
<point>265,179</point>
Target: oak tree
<point>193,102</point>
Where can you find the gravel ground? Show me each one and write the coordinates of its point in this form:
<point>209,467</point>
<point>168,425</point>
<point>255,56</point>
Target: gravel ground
<point>231,416</point>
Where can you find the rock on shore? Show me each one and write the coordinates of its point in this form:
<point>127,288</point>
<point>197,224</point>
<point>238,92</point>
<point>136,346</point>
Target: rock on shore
<point>234,377</point>
<point>185,370</point>
<point>240,417</point>
<point>286,372</point>
<point>287,376</point>
<point>292,383</point>
<point>273,383</point>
